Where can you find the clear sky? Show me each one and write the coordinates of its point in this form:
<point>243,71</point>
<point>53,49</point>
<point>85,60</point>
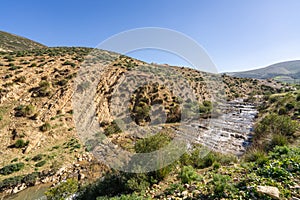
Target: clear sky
<point>237,34</point>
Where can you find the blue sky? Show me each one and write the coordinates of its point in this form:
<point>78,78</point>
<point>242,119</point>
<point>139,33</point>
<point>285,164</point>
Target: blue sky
<point>237,34</point>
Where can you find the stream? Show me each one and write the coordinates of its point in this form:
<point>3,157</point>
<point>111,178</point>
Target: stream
<point>231,132</point>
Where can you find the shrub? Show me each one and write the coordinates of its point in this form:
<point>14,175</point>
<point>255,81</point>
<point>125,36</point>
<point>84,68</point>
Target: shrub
<point>63,190</point>
<point>21,79</point>
<point>278,140</point>
<point>207,161</point>
<point>216,165</point>
<point>282,111</point>
<point>221,186</point>
<point>256,155</point>
<point>152,143</point>
<point>45,127</point>
<point>24,111</point>
<point>9,169</point>
<point>9,182</point>
<point>40,164</point>
<point>138,183</point>
<point>38,157</point>
<point>20,143</point>
<point>69,63</point>
<point>276,124</point>
<point>112,129</point>
<point>141,113</point>
<point>290,106</point>
<point>298,97</point>
<point>42,90</point>
<point>30,179</point>
<point>188,174</point>
<point>33,65</point>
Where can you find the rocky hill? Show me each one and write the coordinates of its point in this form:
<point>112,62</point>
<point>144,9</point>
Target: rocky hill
<point>285,71</point>
<point>37,131</point>
<point>10,42</point>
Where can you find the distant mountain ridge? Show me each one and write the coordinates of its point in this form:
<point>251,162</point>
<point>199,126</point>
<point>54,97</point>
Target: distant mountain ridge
<point>10,42</point>
<point>284,71</point>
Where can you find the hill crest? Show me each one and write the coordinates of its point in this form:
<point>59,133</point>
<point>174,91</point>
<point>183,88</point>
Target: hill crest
<point>11,42</point>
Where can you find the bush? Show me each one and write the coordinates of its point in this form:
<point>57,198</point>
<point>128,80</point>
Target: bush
<point>188,174</point>
<point>138,183</point>
<point>221,186</point>
<point>298,97</point>
<point>282,111</point>
<point>63,190</point>
<point>278,140</point>
<point>43,90</point>
<point>256,155</point>
<point>290,106</point>
<point>113,128</point>
<point>30,179</point>
<point>274,124</point>
<point>152,143</point>
<point>9,169</point>
<point>20,143</point>
<point>24,111</point>
<point>207,161</point>
<point>21,79</point>
<point>69,63</point>
<point>45,127</point>
<point>9,182</point>
<point>38,157</point>
<point>141,113</point>
<point>40,164</point>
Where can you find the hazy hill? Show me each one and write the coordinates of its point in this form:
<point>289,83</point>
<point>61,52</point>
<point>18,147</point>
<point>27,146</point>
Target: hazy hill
<point>284,71</point>
<point>10,42</point>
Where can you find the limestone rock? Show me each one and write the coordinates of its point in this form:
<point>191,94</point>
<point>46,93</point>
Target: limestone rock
<point>269,190</point>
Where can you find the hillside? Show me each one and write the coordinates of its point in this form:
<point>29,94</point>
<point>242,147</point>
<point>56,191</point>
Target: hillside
<point>285,71</point>
<point>10,42</point>
<point>38,134</point>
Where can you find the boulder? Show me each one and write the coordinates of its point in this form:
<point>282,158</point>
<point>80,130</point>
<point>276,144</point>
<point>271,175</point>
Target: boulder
<point>269,190</point>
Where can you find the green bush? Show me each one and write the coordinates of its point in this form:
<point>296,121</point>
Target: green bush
<point>40,164</point>
<point>20,143</point>
<point>298,97</point>
<point>221,186</point>
<point>138,183</point>
<point>188,175</point>
<point>21,79</point>
<point>69,63</point>
<point>30,179</point>
<point>274,124</point>
<point>256,155</point>
<point>282,111</point>
<point>43,90</point>
<point>9,182</point>
<point>9,169</point>
<point>141,113</point>
<point>63,190</point>
<point>152,143</point>
<point>278,140</point>
<point>24,111</point>
<point>113,128</point>
<point>290,106</point>
<point>38,157</point>
<point>45,127</point>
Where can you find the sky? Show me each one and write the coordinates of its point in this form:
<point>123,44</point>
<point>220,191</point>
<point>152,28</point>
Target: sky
<point>237,35</point>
